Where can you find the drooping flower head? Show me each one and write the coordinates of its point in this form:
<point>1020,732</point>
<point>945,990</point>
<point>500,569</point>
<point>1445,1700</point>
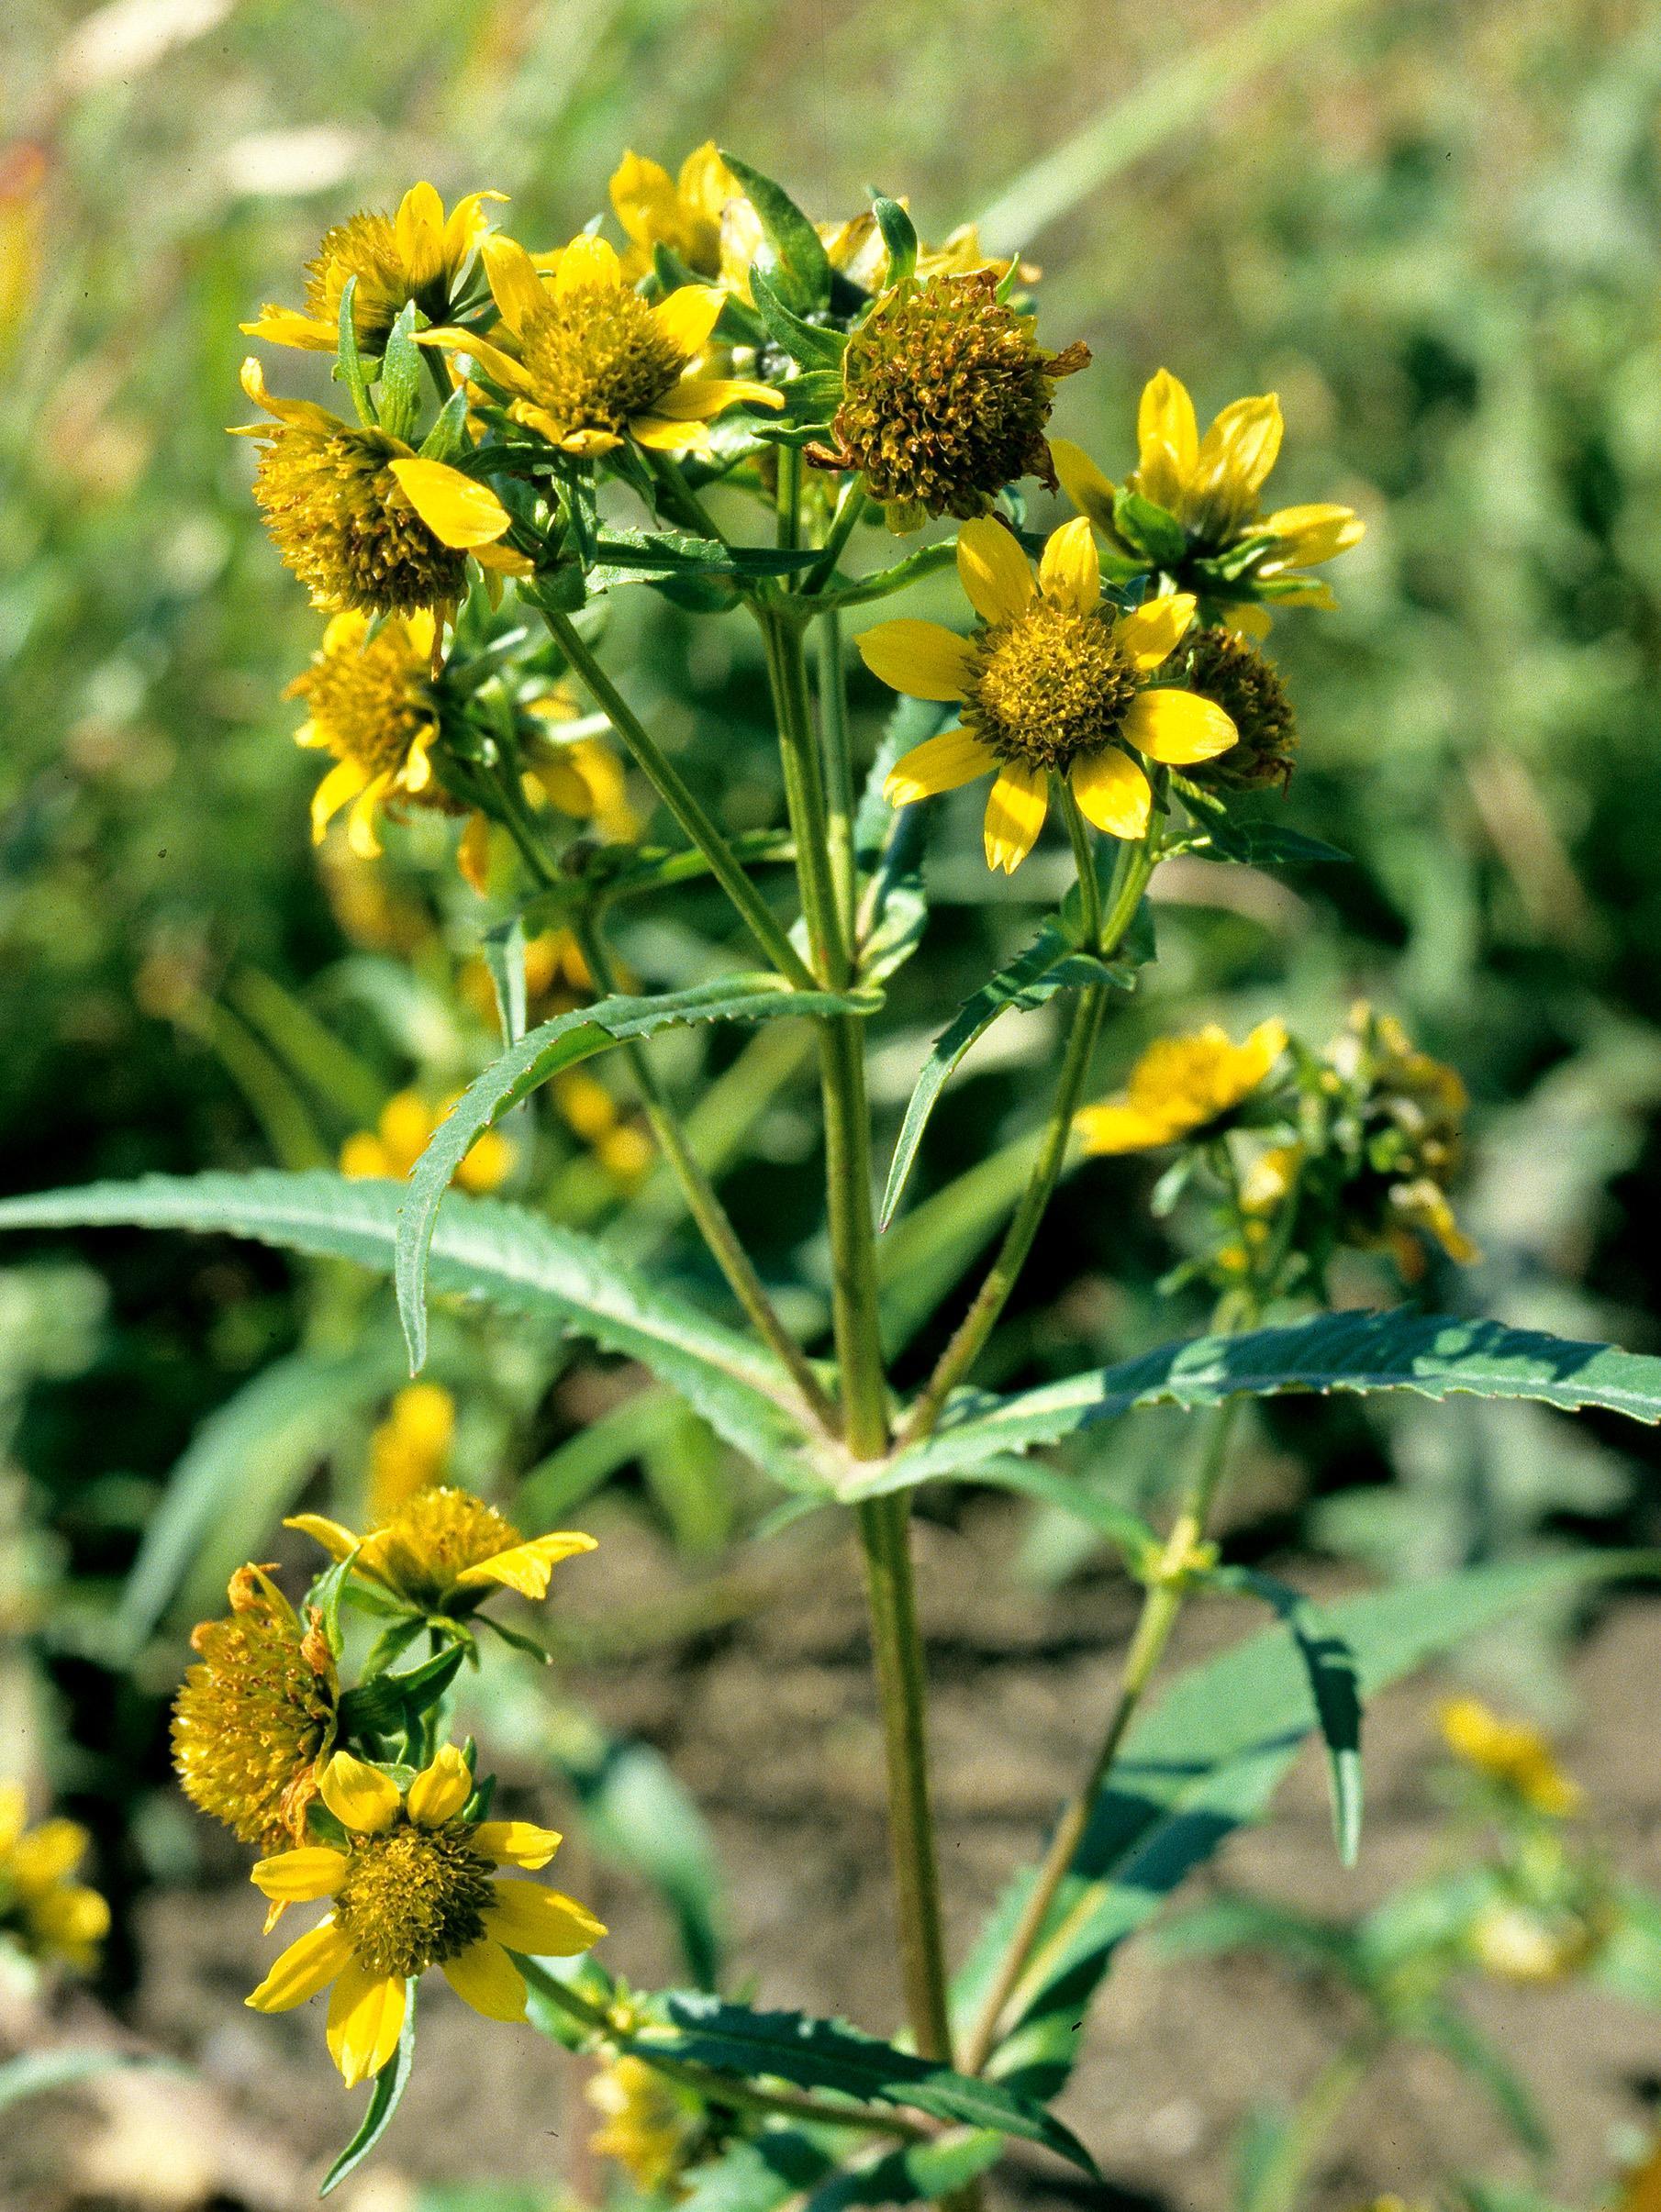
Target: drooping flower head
<point>1221,665</point>
<point>947,392</point>
<point>651,2123</point>
<point>363,521</point>
<point>1510,1753</point>
<point>1183,1087</point>
<point>1210,485</point>
<point>417,254</point>
<point>445,1551</point>
<point>44,1911</point>
<point>1055,684</point>
<point>585,362</point>
<point>1412,1111</point>
<point>683,212</point>
<point>414,1885</point>
<point>256,1714</point>
<point>402,1134</point>
<point>370,702</point>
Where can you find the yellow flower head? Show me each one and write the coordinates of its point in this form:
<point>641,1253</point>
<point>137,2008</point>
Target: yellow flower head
<point>651,2122</point>
<point>1414,1111</point>
<point>256,1714</point>
<point>1211,484</point>
<point>414,1885</point>
<point>945,396</point>
<point>1520,1943</point>
<point>409,1451</point>
<point>369,702</point>
<point>418,254</point>
<point>1221,665</point>
<point>445,1551</point>
<point>1055,684</point>
<point>363,521</point>
<point>1510,1753</point>
<point>683,213</point>
<point>1182,1087</point>
<point>403,1133</point>
<point>591,363</point>
<point>46,1914</point>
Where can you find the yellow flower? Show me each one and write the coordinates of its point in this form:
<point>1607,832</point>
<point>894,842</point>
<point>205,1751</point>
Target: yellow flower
<point>415,1886</point>
<point>592,364</point>
<point>444,1550</point>
<point>1508,1752</point>
<point>361,518</point>
<point>624,1152</point>
<point>1182,1087</point>
<point>409,1451</point>
<point>1221,664</point>
<point>1053,683</point>
<point>1414,1111</point>
<point>651,2122</point>
<point>256,1714</point>
<point>369,702</point>
<point>682,213</point>
<point>46,1914</point>
<point>417,254</point>
<point>1517,1943</point>
<point>403,1133</point>
<point>1210,484</point>
<point>855,250</point>
<point>945,395</point>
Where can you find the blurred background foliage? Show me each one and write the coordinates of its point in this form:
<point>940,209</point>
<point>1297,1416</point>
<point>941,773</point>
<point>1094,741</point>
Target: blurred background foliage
<point>1433,227</point>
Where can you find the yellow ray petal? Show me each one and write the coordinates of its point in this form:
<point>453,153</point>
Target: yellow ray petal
<point>347,629</point>
<point>527,1567</point>
<point>994,571</point>
<point>419,227</point>
<point>499,367</point>
<point>472,854</point>
<point>1250,619</point>
<point>359,1796</point>
<point>515,286</point>
<point>515,1843</point>
<point>466,226</point>
<point>643,199</point>
<point>944,763</point>
<point>924,660</point>
<point>1082,482</point>
<point>1069,574</point>
<point>335,1537</point>
<point>587,262</point>
<point>299,414</point>
<point>44,1855</point>
<point>439,1790</point>
<point>687,316</point>
<point>344,782</point>
<point>362,837</point>
<point>1151,630</point>
<point>651,430</point>
<point>287,327</point>
<point>1120,1129</point>
<point>538,1923</point>
<point>702,397</point>
<point>456,509</point>
<point>299,1973</point>
<point>1240,446</point>
<point>1310,534</point>
<point>1015,815</point>
<point>300,1877</point>
<point>1168,437</point>
<point>14,1812</point>
<point>1177,727</point>
<point>1112,793</point>
<point>486,1978</point>
<point>365,2019</point>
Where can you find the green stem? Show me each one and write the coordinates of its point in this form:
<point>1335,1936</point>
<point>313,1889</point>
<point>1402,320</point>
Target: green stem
<point>969,1339</point>
<point>1083,861</point>
<point>719,2088</point>
<point>713,1221</point>
<point>1281,2186</point>
<point>672,478</point>
<point>839,767</point>
<point>1161,1603</point>
<point>849,507</point>
<point>677,795</point>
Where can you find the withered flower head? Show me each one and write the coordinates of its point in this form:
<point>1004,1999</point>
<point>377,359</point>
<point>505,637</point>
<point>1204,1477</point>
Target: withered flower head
<point>1228,669</point>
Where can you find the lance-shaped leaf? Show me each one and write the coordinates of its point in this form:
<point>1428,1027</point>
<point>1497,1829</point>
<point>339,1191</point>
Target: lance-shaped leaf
<point>648,556</point>
<point>1433,1355</point>
<point>1204,1761</point>
<point>827,2055</point>
<point>794,253</point>
<point>1051,962</point>
<point>384,2101</point>
<point>483,1249</point>
<point>1331,1665</point>
<point>548,1051</point>
<point>811,345</point>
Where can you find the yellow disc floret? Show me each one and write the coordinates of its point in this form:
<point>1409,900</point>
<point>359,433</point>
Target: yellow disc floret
<point>255,1714</point>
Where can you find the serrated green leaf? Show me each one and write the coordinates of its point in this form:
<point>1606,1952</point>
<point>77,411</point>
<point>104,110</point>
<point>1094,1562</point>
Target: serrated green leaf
<point>648,555</point>
<point>483,1249</point>
<point>927,561</point>
<point>918,2173</point>
<point>1433,1355</point>
<point>1330,1666</point>
<point>446,439</point>
<point>401,376</point>
<point>503,953</point>
<point>547,1051</point>
<point>1051,962</point>
<point>827,2055</point>
<point>800,266</point>
<point>384,2098</point>
<point>1203,1760</point>
<point>810,345</point>
<point>1268,845</point>
<point>349,362</point>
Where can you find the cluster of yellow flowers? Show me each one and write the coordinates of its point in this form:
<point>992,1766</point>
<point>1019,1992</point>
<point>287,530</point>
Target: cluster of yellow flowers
<point>45,1912</point>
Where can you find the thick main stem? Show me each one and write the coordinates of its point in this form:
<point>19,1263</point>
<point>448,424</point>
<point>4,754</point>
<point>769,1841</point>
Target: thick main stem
<point>1161,1602</point>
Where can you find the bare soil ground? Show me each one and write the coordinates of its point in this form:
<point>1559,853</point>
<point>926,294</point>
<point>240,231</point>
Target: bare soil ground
<point>770,1723</point>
